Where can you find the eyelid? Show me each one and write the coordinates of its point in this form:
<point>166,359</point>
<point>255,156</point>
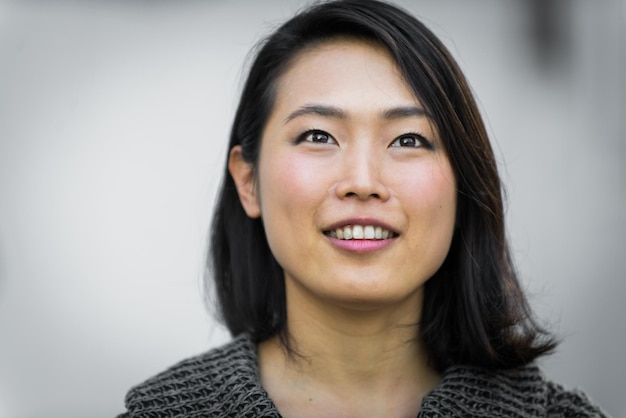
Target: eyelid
<point>306,134</point>
<point>421,139</point>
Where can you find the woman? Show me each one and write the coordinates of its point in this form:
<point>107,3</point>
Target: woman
<point>358,245</point>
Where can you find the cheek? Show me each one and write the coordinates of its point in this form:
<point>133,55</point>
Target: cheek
<point>441,192</point>
<point>429,196</point>
<point>291,192</point>
<point>427,186</point>
<point>291,189</point>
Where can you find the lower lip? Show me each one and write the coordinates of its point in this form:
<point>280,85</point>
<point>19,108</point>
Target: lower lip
<point>361,245</point>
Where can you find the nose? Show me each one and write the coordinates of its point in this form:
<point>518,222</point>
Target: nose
<point>361,177</point>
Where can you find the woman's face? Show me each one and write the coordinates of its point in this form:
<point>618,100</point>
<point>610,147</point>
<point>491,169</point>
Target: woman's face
<point>353,185</point>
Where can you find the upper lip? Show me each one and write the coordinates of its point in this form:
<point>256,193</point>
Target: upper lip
<point>361,221</point>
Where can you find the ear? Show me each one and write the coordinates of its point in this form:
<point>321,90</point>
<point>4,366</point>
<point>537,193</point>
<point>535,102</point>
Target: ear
<point>243,175</point>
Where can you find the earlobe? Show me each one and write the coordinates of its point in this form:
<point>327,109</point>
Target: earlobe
<point>243,175</point>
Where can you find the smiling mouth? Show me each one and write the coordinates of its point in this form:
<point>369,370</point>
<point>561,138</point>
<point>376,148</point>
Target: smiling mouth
<point>360,232</point>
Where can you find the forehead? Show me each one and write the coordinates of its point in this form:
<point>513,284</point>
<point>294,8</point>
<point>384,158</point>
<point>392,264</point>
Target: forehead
<point>350,73</point>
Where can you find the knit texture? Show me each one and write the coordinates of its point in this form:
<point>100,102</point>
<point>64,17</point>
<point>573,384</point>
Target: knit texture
<point>225,382</point>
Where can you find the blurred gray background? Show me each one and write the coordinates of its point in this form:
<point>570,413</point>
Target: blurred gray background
<point>114,117</point>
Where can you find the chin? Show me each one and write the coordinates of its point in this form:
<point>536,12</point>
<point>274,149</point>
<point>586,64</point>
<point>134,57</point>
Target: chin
<point>368,296</point>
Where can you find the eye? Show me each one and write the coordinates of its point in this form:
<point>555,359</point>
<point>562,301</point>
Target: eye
<point>317,137</point>
<point>410,141</point>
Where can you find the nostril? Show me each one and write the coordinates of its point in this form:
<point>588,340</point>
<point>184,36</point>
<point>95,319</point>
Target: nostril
<point>362,186</point>
<point>363,195</point>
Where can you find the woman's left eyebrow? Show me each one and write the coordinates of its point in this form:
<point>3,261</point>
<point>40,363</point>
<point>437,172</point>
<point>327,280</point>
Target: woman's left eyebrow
<point>404,112</point>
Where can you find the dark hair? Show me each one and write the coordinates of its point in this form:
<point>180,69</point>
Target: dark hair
<point>474,310</point>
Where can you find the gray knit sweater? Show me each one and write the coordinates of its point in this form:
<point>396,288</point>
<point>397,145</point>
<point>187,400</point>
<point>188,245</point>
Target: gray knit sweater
<point>224,382</point>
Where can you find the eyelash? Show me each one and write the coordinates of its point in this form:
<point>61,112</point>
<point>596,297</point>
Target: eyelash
<point>303,137</point>
<point>419,138</point>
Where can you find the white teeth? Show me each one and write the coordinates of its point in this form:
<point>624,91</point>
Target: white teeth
<point>361,232</point>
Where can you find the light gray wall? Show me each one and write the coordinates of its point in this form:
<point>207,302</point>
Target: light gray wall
<point>113,124</point>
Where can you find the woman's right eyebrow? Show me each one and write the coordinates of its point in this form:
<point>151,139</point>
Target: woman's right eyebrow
<point>317,109</point>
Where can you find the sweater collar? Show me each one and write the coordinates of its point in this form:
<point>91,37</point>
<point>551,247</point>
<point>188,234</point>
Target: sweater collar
<point>464,391</point>
<point>467,391</point>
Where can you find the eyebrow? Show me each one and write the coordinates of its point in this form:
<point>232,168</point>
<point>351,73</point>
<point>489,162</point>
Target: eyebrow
<point>320,110</point>
<point>404,112</point>
<point>399,112</point>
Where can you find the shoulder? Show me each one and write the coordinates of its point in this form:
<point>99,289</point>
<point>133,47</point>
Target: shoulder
<point>520,392</point>
<point>221,382</point>
<point>566,403</point>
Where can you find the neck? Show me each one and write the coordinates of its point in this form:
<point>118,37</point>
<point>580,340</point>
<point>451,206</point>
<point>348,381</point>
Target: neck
<point>348,354</point>
<point>360,345</point>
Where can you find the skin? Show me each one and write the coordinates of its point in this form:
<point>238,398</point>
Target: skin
<point>352,314</point>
